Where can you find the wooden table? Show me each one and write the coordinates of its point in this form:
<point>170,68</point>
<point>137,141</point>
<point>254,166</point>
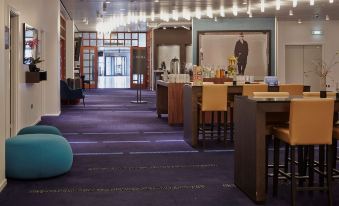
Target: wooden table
<point>170,101</point>
<point>250,142</point>
<point>191,95</point>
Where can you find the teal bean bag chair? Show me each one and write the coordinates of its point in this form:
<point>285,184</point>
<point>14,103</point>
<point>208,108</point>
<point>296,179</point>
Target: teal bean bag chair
<point>35,156</point>
<point>40,129</point>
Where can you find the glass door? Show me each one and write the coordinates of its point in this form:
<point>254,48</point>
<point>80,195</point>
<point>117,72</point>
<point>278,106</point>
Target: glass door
<point>89,66</point>
<point>116,66</point>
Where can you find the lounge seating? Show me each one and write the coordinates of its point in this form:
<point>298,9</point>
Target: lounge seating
<point>68,94</point>
<point>36,156</point>
<point>40,129</point>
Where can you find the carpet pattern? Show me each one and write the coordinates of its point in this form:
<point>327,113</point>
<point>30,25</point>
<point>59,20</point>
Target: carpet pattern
<point>125,155</point>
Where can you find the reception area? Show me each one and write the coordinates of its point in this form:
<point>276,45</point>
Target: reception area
<point>223,103</point>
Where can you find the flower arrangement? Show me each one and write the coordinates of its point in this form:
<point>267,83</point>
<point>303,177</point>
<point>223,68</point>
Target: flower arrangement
<point>322,69</point>
<point>32,43</point>
<point>231,68</point>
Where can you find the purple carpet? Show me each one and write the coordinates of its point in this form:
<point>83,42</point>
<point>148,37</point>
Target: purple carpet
<point>125,155</point>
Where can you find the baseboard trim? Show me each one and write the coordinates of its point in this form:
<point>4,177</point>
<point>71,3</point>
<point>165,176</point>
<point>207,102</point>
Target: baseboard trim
<point>3,184</point>
<point>53,115</point>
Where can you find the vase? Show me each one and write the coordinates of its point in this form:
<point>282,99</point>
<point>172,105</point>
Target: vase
<point>323,93</point>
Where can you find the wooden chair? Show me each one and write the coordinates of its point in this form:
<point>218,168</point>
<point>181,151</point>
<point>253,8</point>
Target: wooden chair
<point>305,129</point>
<point>292,89</point>
<point>214,99</point>
<point>248,89</point>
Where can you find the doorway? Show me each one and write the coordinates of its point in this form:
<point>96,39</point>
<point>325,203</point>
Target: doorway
<point>13,60</point>
<point>114,64</point>
<point>300,67</point>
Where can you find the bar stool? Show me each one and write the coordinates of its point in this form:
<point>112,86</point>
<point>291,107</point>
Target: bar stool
<point>273,119</point>
<point>214,99</point>
<point>335,150</point>
<point>293,89</point>
<point>248,89</point>
<point>305,129</point>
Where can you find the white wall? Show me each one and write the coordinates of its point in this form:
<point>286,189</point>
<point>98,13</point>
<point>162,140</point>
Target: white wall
<point>2,99</point>
<point>44,96</point>
<point>69,49</point>
<point>292,33</point>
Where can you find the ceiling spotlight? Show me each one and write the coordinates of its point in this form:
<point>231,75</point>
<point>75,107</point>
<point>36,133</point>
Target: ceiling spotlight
<point>107,2</point>
<point>215,19</point>
<point>311,2</point>
<point>331,1</point>
<point>291,12</point>
<point>262,6</point>
<point>295,3</point>
<point>235,10</point>
<point>156,1</point>
<point>244,2</point>
<point>277,4</point>
<point>198,13</point>
<point>185,27</point>
<point>164,28</point>
<point>327,18</point>
<point>250,15</point>
<point>299,21</point>
<point>222,11</point>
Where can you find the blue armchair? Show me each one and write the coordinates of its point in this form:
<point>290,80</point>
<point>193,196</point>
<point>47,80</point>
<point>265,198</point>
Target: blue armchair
<point>67,93</point>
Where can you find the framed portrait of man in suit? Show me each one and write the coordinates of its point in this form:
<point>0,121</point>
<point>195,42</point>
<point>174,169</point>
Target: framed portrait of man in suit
<point>251,48</point>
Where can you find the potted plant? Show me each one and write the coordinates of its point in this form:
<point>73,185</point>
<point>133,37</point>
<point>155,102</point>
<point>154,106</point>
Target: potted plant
<point>322,69</point>
<point>32,64</point>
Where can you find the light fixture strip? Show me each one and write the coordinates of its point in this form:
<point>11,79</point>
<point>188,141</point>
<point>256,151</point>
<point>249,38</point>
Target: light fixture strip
<point>311,2</point>
<point>295,3</point>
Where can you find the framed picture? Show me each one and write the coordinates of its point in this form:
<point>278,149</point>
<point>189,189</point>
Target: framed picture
<point>31,42</point>
<point>251,48</point>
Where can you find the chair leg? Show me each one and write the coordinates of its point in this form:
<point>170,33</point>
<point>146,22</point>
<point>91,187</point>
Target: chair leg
<point>212,124</point>
<point>266,157</point>
<point>275,166</point>
<point>198,121</point>
<point>219,124</point>
<point>334,157</point>
<point>203,129</point>
<point>225,126</point>
<point>293,179</point>
<point>231,123</point>
<point>287,151</point>
<point>329,174</point>
<point>311,166</point>
<point>321,164</point>
<point>83,101</point>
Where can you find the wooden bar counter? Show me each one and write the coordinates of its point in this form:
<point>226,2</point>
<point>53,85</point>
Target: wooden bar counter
<point>170,101</point>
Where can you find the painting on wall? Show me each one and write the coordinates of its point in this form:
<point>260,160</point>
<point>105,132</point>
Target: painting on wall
<point>251,48</point>
<point>31,42</point>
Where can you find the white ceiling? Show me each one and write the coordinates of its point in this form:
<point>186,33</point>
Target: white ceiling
<point>91,9</point>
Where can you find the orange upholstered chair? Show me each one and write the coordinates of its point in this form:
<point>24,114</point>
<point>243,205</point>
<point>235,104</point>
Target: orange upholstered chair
<point>248,89</point>
<point>311,123</point>
<point>293,89</point>
<point>214,99</point>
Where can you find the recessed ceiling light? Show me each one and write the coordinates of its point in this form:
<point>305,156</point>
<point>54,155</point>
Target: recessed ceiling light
<point>250,15</point>
<point>331,1</point>
<point>156,1</point>
<point>244,2</point>
<point>277,4</point>
<point>299,21</point>
<point>164,28</point>
<point>312,2</point>
<point>327,18</point>
<point>215,19</point>
<point>291,12</point>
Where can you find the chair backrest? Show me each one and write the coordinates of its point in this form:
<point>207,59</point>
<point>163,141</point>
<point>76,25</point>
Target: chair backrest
<point>311,121</point>
<point>64,90</point>
<point>214,97</point>
<point>317,94</point>
<point>248,89</point>
<point>271,94</point>
<point>293,89</point>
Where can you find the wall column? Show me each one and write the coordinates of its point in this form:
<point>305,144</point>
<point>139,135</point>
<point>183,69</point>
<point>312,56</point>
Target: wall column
<point>69,49</point>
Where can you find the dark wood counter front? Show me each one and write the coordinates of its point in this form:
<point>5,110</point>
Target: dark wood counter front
<point>170,101</point>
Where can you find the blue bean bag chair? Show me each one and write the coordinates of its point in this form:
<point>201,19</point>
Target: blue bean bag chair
<point>40,129</point>
<point>35,156</point>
